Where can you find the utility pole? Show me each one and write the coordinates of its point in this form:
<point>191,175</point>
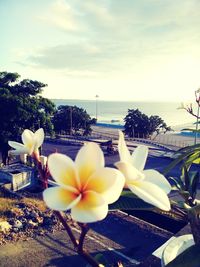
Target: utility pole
<point>71,121</point>
<point>96,107</point>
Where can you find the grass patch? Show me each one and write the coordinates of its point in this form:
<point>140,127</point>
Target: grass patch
<point>8,203</point>
<point>37,203</point>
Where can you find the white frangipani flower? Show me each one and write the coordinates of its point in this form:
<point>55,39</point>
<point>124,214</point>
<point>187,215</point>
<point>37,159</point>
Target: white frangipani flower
<point>84,186</point>
<point>31,142</point>
<point>149,185</point>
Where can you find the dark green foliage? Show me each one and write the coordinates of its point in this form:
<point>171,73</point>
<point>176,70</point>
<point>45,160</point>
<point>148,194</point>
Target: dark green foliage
<point>7,78</point>
<point>138,124</point>
<point>188,182</point>
<point>27,88</point>
<point>129,201</point>
<point>72,120</point>
<point>21,107</point>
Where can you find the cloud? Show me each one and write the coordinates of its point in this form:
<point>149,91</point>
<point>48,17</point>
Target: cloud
<point>76,57</point>
<point>61,15</point>
<point>98,12</point>
<point>112,38</point>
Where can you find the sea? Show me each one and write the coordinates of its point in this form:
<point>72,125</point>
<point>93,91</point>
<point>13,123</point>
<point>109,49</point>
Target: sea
<point>114,112</point>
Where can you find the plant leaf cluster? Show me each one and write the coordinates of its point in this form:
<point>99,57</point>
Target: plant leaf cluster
<point>187,183</point>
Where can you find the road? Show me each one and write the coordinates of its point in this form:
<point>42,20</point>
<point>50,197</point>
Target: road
<point>154,161</point>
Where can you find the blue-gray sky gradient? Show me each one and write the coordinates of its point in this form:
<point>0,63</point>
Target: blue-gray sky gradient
<point>119,49</point>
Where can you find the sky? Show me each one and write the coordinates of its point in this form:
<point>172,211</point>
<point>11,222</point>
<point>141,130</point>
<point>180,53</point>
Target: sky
<point>137,50</point>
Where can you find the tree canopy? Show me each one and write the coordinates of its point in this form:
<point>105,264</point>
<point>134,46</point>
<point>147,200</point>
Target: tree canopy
<point>138,124</point>
<point>72,120</point>
<point>22,106</point>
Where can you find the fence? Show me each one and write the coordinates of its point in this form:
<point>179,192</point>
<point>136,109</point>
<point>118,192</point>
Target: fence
<point>165,141</point>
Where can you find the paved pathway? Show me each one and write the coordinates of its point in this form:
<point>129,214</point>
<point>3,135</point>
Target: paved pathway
<point>119,238</point>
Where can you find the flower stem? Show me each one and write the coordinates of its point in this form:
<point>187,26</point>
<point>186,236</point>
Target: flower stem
<point>43,172</point>
<point>81,251</point>
<point>78,245</point>
<point>84,230</point>
<point>67,228</point>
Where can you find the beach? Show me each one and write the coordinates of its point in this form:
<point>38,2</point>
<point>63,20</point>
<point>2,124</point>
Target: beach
<point>170,138</point>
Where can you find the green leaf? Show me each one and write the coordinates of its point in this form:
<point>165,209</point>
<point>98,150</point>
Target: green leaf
<point>194,180</point>
<point>189,258</point>
<point>175,162</point>
<point>186,178</point>
<point>129,201</point>
<point>193,158</point>
<point>197,161</point>
<point>182,158</point>
<point>189,148</point>
<point>178,183</point>
<point>185,194</point>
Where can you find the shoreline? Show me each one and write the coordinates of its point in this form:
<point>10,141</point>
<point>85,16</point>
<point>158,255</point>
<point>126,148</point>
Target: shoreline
<point>177,139</point>
<point>176,128</point>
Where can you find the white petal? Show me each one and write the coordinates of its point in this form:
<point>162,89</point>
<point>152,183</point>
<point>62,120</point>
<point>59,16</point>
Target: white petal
<point>89,215</point>
<point>39,138</point>
<point>58,198</point>
<point>62,169</point>
<point>108,182</point>
<point>17,145</point>
<point>28,140</point>
<point>89,158</point>
<point>129,171</point>
<point>124,153</point>
<point>151,193</point>
<point>157,178</point>
<point>27,136</point>
<point>139,157</point>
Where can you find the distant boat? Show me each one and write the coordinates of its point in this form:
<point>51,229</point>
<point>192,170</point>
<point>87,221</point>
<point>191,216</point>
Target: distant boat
<point>115,121</point>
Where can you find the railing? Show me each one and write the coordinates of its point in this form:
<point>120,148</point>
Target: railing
<point>164,141</point>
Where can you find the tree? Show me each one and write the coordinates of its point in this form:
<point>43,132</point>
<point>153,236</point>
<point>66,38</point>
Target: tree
<point>135,123</point>
<point>72,119</point>
<point>156,124</point>
<point>22,107</point>
<point>138,124</point>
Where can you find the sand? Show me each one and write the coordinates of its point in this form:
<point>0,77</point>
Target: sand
<point>169,139</point>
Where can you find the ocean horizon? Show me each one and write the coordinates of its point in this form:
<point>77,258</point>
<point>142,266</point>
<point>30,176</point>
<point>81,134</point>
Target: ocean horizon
<point>113,112</point>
